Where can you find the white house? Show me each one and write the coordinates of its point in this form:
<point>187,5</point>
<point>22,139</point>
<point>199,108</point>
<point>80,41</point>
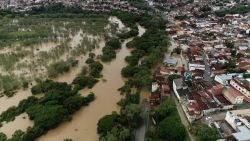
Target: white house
<point>243,86</point>
<point>223,78</point>
<point>196,66</point>
<point>236,119</point>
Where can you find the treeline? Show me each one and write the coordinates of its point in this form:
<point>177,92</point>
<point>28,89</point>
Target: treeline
<point>120,126</point>
<point>88,76</point>
<point>148,51</point>
<point>203,132</point>
<point>233,10</point>
<point>168,124</point>
<point>57,105</point>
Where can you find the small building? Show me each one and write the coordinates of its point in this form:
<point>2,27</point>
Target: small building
<point>170,61</point>
<point>223,79</point>
<point>239,120</point>
<point>243,86</point>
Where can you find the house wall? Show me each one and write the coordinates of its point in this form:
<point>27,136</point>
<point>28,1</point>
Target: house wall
<point>211,110</point>
<point>175,91</point>
<point>241,89</point>
<point>196,66</point>
<point>230,120</point>
<point>190,118</point>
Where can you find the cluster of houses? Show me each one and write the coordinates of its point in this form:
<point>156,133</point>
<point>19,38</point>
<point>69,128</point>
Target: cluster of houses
<point>215,77</point>
<point>235,126</point>
<point>94,5</point>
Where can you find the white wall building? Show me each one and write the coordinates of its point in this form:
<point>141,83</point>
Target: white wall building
<point>239,123</point>
<point>242,86</point>
<point>194,66</point>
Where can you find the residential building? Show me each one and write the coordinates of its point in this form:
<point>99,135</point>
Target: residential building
<point>243,86</point>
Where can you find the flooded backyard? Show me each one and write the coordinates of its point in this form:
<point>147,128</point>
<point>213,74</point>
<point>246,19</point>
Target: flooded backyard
<point>83,125</point>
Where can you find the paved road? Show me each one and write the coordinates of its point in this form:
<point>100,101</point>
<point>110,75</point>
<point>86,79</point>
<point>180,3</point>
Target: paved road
<point>183,118</point>
<point>141,131</point>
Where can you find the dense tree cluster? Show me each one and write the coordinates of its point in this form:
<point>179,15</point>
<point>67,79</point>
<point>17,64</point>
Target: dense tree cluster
<point>60,100</point>
<point>149,51</point>
<point>131,33</point>
<point>246,75</point>
<point>109,51</point>
<point>168,125</point>
<point>120,127</point>
<point>205,133</point>
<point>88,75</point>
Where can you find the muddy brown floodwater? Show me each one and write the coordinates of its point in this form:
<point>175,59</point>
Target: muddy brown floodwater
<point>84,122</point>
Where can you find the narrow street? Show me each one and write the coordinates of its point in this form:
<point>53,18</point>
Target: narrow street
<point>141,131</point>
<point>183,118</point>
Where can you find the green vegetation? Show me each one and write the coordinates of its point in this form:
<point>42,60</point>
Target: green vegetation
<point>67,140</point>
<point>61,67</point>
<point>95,69</point>
<point>171,78</point>
<point>31,40</point>
<point>233,10</point>
<point>125,35</point>
<point>58,103</point>
<point>177,50</point>
<point>120,127</point>
<point>8,84</point>
<point>109,51</point>
<point>168,125</point>
<point>205,133</point>
<point>12,112</point>
<point>81,82</point>
<point>148,50</point>
<point>246,75</point>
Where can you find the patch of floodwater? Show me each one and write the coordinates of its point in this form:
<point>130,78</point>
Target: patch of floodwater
<point>141,31</point>
<point>117,21</point>
<point>21,122</point>
<point>76,39</point>
<point>44,47</point>
<point>69,77</point>
<point>84,122</point>
<point>7,102</point>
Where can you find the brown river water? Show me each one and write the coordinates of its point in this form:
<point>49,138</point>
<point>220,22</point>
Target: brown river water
<point>83,126</point>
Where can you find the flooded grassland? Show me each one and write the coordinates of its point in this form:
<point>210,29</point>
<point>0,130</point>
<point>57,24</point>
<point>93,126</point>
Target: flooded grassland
<point>26,57</point>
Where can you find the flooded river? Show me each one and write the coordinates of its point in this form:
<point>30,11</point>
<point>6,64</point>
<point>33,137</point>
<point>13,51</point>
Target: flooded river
<point>83,126</point>
<point>84,123</point>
